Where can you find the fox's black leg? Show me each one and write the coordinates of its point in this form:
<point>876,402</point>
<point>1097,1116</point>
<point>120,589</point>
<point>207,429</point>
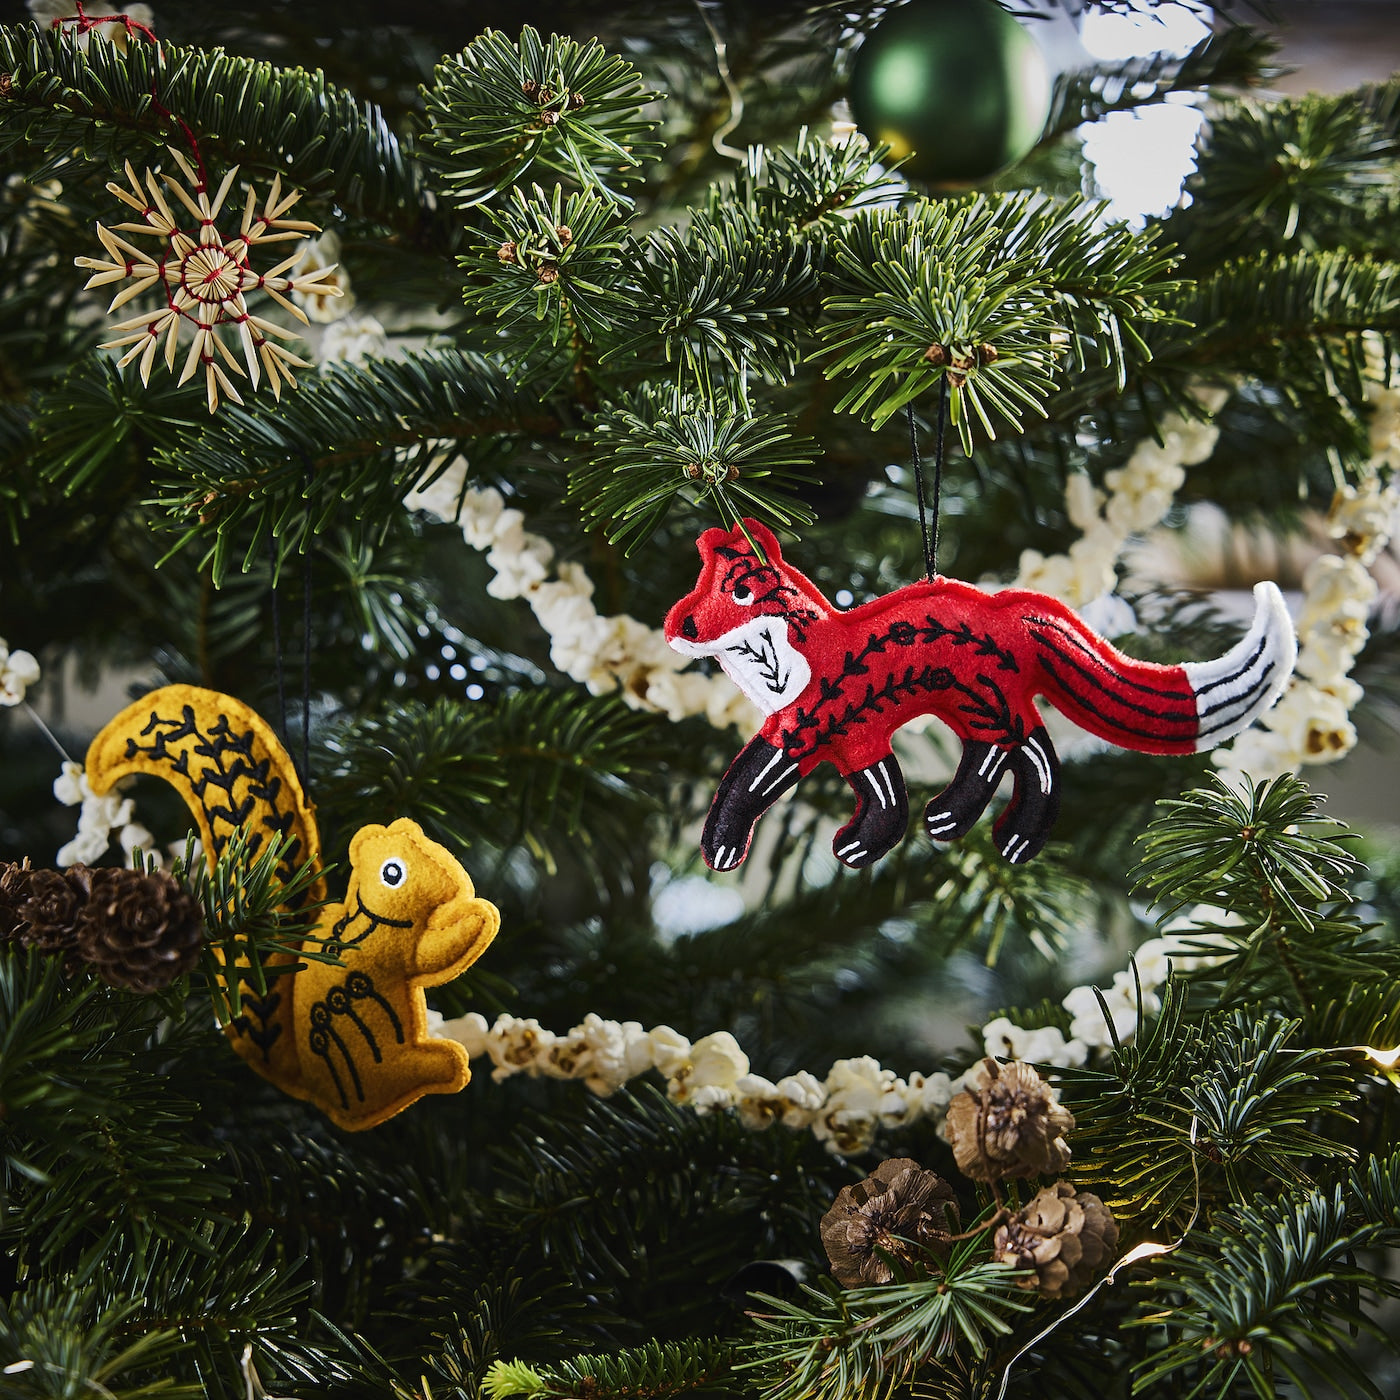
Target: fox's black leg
<point>954,812</point>
<point>1025,826</point>
<point>756,779</point>
<point>882,814</point>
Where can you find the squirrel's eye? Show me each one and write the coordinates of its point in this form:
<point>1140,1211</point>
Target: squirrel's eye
<point>393,873</point>
<point>743,596</point>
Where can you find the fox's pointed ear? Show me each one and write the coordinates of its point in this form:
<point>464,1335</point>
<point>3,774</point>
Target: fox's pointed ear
<point>762,536</point>
<point>712,539</point>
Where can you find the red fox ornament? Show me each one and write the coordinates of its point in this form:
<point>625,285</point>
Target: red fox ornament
<point>836,685</point>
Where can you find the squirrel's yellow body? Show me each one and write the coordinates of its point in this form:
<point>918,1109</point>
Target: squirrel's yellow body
<point>351,1036</point>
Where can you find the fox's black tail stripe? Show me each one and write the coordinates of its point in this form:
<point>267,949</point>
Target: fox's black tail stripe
<point>1068,635</point>
<point>1244,669</point>
<point>1112,722</point>
<point>1175,714</point>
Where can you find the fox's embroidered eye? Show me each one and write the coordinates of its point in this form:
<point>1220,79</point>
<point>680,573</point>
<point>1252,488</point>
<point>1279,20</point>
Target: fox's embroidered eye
<point>743,596</point>
<point>393,873</point>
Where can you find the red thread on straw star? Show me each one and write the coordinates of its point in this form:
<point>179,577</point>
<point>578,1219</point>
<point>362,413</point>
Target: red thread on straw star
<point>206,277</point>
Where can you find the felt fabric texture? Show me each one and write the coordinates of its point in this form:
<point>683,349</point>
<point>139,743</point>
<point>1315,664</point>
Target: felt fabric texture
<point>351,1037</point>
<point>836,685</point>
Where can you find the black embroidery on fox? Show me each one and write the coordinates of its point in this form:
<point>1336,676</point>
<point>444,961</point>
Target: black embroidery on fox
<point>230,761</point>
<point>765,658</point>
<point>985,704</point>
<point>771,594</point>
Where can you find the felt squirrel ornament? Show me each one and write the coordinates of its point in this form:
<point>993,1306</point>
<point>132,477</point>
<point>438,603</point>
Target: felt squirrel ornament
<point>835,685</point>
<point>352,1036</point>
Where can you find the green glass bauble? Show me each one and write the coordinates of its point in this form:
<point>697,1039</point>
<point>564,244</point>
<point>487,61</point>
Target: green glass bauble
<point>957,86</point>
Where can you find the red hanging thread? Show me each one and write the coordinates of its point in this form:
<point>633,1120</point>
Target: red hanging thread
<point>84,23</point>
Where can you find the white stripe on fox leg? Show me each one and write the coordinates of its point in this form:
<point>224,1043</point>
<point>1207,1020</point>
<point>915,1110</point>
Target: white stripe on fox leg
<point>781,778</point>
<point>995,758</point>
<point>884,773</point>
<point>753,786</point>
<point>1042,764</point>
<point>875,787</point>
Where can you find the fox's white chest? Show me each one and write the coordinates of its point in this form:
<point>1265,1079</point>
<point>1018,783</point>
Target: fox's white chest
<point>759,659</point>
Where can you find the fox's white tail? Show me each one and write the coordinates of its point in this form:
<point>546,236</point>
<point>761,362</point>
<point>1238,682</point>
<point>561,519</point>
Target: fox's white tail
<point>1234,689</point>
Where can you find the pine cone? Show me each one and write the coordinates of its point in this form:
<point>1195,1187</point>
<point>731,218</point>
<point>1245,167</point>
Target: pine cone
<point>139,931</point>
<point>900,1212</point>
<point>1012,1126</point>
<point>53,909</point>
<point>1066,1238</point>
<point>14,891</point>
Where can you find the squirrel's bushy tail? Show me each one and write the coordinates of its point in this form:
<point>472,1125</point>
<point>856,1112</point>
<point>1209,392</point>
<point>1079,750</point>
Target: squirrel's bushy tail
<point>234,775</point>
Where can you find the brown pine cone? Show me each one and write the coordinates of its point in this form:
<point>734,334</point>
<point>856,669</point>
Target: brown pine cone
<point>900,1212</point>
<point>139,931</point>
<point>54,909</point>
<point>1012,1126</point>
<point>1066,1238</point>
<point>14,891</point>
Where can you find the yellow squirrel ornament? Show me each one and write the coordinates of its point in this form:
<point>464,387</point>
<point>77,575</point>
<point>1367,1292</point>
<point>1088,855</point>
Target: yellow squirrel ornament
<point>351,1037</point>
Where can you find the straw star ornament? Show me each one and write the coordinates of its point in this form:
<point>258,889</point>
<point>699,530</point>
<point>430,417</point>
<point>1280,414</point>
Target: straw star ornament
<point>206,277</point>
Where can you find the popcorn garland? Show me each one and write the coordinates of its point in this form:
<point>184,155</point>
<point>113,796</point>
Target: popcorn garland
<point>18,671</point>
<point>858,1098</point>
<point>98,818</point>
<point>604,653</point>
<point>205,276</point>
<point>1140,493</point>
<point>843,1112</point>
<point>1311,722</point>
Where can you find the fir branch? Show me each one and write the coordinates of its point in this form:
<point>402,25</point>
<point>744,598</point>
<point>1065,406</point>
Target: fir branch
<point>864,1343</point>
<point>499,108</point>
<point>547,268</point>
<point>73,107</point>
<point>1272,1288</point>
<point>59,1341</point>
<point>1308,172</point>
<point>806,185</point>
<point>549,769</point>
<point>661,446</point>
<point>1189,1113</point>
<point>1271,846</point>
<point>222,1290</point>
<point>96,1148</point>
<point>508,1312</point>
<point>1373,1194</point>
<point>1295,321</point>
<point>93,428</point>
<point>332,451</point>
<point>978,291</point>
<point>1234,57</point>
<point>724,292</point>
<point>655,1371</point>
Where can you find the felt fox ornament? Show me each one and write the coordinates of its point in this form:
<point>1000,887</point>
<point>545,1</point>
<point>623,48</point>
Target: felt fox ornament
<point>352,1037</point>
<point>836,685</point>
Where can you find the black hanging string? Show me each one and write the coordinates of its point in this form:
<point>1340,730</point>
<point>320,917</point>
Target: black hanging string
<point>930,534</point>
